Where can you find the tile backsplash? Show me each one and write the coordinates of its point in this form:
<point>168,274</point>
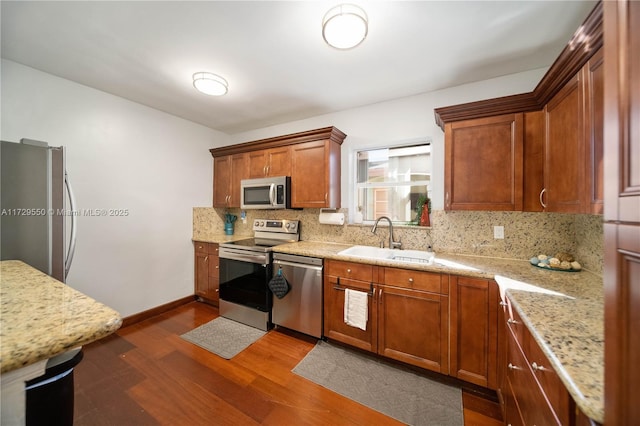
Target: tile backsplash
<point>525,234</point>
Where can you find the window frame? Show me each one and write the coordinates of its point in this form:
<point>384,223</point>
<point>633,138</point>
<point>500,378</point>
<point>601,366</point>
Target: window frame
<point>355,186</point>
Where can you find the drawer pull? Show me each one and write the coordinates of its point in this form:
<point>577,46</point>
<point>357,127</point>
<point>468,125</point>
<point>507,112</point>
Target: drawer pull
<point>503,303</point>
<point>512,321</point>
<point>411,280</point>
<point>537,367</point>
<point>512,367</point>
<point>348,270</point>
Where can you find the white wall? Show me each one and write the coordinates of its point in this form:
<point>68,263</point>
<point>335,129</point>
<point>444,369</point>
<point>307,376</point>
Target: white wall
<point>120,155</point>
<point>405,119</point>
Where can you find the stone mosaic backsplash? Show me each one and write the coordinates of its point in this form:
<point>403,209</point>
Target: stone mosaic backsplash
<point>526,234</point>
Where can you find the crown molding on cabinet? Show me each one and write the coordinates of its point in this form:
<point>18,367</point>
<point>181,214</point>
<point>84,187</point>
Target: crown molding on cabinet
<point>324,133</point>
<point>570,61</point>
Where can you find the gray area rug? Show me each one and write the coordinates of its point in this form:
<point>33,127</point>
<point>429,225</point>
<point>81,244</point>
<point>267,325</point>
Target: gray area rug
<point>224,337</point>
<point>394,391</point>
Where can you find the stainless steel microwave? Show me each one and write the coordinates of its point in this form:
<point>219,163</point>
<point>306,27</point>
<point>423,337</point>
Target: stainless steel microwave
<point>266,193</point>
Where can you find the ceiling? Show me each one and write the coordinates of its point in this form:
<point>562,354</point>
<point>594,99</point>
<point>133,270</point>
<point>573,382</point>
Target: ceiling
<point>272,53</point>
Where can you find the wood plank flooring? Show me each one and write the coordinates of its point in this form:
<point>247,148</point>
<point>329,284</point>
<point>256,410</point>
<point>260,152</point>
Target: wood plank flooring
<point>145,374</point>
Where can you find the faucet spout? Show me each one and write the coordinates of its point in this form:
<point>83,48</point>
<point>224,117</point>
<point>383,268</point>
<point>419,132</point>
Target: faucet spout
<point>392,243</point>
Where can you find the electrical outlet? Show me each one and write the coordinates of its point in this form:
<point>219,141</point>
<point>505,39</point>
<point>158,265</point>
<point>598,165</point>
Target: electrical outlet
<point>498,232</point>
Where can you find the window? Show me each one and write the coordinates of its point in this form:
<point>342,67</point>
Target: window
<point>389,181</point>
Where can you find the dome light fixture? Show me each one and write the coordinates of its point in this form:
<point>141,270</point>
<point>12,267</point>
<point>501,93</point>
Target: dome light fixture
<point>210,84</point>
<point>345,26</point>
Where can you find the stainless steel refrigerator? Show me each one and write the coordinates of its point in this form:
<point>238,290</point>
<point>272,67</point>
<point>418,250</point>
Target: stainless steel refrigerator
<point>34,207</point>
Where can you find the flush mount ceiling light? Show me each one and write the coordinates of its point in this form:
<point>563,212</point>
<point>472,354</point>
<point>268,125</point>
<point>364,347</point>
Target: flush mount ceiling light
<point>210,84</point>
<point>345,26</point>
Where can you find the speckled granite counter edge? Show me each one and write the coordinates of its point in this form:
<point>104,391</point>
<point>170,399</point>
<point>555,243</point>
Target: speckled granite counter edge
<point>581,372</point>
<point>42,317</point>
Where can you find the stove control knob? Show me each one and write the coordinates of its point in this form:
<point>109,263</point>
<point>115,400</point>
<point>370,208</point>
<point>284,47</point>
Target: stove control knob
<point>288,225</point>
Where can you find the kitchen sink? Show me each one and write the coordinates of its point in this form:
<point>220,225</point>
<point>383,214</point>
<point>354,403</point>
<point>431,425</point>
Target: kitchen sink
<point>402,256</point>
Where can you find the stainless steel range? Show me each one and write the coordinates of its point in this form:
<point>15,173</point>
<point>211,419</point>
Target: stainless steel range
<point>245,271</point>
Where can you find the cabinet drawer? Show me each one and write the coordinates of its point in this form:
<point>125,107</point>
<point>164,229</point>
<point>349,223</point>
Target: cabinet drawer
<point>352,271</point>
<point>514,322</point>
<point>551,385</point>
<point>416,280</point>
<point>201,247</point>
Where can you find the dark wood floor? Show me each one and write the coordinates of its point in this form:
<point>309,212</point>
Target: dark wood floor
<point>145,374</point>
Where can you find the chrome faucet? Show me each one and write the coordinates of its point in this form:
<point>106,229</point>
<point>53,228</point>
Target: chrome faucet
<point>392,244</point>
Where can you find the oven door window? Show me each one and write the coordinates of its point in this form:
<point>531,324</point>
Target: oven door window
<point>245,283</point>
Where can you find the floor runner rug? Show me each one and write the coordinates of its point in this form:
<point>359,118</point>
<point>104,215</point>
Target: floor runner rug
<point>224,337</point>
<point>389,389</point>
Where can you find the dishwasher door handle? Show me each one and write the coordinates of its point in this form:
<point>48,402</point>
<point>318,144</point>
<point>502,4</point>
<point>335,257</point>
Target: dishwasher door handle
<point>297,265</point>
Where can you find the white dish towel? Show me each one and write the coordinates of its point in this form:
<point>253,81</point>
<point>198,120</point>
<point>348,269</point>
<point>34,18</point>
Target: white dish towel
<point>356,308</point>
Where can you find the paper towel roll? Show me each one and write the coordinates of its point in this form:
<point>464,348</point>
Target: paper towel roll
<point>331,218</point>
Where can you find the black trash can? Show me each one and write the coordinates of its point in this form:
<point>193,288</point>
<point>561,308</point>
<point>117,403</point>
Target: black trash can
<point>50,396</point>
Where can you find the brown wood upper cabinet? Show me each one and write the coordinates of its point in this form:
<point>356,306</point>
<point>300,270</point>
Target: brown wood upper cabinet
<point>228,171</point>
<point>484,163</point>
<point>311,158</point>
<point>315,174</point>
<point>573,144</point>
<point>270,162</point>
<point>561,168</point>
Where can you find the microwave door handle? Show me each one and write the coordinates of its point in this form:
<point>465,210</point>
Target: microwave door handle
<point>272,194</point>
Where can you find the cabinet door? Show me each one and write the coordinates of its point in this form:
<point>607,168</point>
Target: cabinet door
<point>279,161</point>
<point>484,163</point>
<point>474,330</point>
<point>622,211</point>
<point>239,171</point>
<point>564,168</point>
<point>270,162</point>
<point>413,327</point>
<point>201,273</point>
<point>214,275</point>
<point>594,132</point>
<point>334,326</point>
<point>221,181</point>
<point>315,175</point>
<point>257,163</point>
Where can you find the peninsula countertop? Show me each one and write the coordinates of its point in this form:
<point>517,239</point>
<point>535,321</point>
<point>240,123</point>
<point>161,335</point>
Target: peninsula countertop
<point>42,317</point>
<point>563,311</point>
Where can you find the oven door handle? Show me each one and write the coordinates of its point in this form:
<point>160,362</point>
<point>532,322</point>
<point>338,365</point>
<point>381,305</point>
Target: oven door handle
<point>244,257</point>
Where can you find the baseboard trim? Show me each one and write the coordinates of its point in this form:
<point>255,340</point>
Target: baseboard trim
<point>141,316</point>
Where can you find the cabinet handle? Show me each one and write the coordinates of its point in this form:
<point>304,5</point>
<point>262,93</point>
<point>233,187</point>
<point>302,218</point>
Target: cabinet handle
<point>206,258</point>
<point>217,290</point>
<point>541,194</point>
<point>512,321</point>
<point>348,270</point>
<point>411,280</point>
<point>503,303</point>
<point>537,367</point>
<point>217,266</point>
<point>512,367</point>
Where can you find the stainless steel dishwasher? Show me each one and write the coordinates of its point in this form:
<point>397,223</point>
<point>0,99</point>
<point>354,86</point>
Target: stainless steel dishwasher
<point>301,308</point>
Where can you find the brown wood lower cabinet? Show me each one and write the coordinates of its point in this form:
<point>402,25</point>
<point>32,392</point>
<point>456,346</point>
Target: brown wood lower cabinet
<point>407,312</point>
<point>474,330</point>
<point>207,277</point>
<point>531,391</point>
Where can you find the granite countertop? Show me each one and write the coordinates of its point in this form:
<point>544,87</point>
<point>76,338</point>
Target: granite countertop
<point>564,311</point>
<point>42,317</point>
<point>222,238</point>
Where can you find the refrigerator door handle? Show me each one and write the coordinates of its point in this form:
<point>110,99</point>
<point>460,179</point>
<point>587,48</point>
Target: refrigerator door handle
<point>72,242</point>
